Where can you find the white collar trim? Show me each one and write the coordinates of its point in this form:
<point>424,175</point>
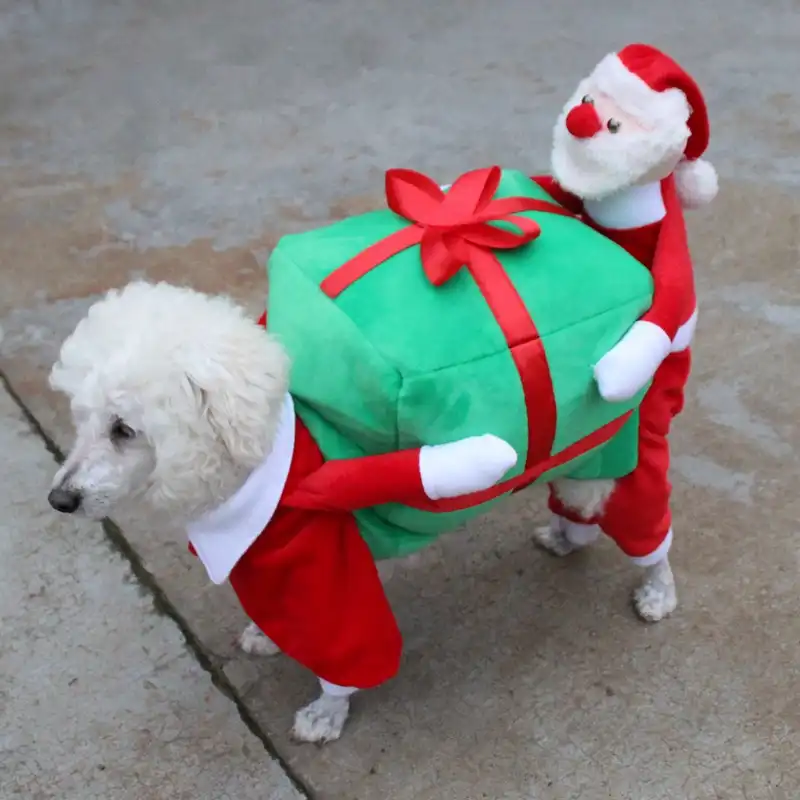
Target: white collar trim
<point>630,208</point>
<point>222,536</point>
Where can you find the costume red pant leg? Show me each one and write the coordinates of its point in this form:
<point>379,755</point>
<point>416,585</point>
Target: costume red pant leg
<point>637,515</point>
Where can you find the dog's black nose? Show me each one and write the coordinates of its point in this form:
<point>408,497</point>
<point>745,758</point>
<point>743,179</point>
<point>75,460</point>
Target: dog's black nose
<point>64,500</point>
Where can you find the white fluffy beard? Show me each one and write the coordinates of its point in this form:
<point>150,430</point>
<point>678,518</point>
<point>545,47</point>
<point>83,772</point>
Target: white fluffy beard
<point>608,162</point>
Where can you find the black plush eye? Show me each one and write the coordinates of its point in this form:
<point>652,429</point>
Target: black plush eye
<point>613,125</point>
<point>587,98</point>
<point>121,431</point>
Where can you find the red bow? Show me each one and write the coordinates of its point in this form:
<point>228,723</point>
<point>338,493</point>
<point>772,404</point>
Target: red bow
<point>454,222</point>
<point>451,228</point>
<point>457,229</point>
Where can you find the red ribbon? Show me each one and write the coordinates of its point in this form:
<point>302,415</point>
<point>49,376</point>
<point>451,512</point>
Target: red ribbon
<point>453,230</point>
<point>594,440</point>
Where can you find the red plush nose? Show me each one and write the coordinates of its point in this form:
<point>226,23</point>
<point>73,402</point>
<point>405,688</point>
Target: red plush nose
<point>583,122</point>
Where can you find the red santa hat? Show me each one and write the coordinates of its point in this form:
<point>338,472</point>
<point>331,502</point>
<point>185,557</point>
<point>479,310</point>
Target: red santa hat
<point>654,88</point>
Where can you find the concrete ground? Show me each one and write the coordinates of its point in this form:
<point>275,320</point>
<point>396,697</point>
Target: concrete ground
<point>179,139</point>
<point>99,695</point>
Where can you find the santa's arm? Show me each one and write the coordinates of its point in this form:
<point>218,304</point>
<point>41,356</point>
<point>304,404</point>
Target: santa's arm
<point>673,282</point>
<point>667,326</point>
<point>570,201</point>
<point>406,476</point>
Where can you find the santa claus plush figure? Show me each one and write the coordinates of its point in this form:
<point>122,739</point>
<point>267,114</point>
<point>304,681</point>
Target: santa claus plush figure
<point>626,157</point>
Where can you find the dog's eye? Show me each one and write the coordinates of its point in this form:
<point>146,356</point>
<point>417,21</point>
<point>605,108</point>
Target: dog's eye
<point>120,431</point>
<point>613,125</point>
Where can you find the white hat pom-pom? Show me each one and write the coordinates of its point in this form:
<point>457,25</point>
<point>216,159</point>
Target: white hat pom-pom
<point>696,182</point>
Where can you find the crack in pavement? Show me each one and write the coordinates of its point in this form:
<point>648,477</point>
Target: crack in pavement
<point>164,606</point>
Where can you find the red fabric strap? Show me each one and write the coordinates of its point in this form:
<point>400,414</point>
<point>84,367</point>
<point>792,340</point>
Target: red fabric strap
<point>531,474</point>
<point>453,230</point>
<point>317,594</point>
<point>311,585</point>
<point>446,226</point>
<point>526,349</point>
<point>358,266</point>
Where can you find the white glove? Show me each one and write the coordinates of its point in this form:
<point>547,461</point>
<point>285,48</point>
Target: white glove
<point>631,363</point>
<point>468,465</point>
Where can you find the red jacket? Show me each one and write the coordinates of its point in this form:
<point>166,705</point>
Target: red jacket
<point>309,581</point>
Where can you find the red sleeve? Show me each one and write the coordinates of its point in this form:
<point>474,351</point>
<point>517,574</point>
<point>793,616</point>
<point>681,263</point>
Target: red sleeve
<point>317,594</point>
<point>673,275</point>
<point>348,484</point>
<point>564,198</point>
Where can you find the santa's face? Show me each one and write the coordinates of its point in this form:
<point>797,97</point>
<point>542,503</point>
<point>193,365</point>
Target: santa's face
<point>599,147</point>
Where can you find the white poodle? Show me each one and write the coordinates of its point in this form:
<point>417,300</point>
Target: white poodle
<point>177,399</point>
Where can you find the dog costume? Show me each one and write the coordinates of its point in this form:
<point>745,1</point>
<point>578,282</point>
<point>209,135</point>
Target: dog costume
<point>470,318</point>
<point>647,221</point>
<point>290,545</point>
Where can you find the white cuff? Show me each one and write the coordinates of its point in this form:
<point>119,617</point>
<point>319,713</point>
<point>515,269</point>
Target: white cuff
<point>683,338</point>
<point>580,534</point>
<point>468,465</point>
<point>632,362</point>
<point>657,555</point>
<point>333,690</point>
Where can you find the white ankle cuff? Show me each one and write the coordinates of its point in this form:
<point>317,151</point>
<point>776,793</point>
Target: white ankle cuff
<point>581,534</point>
<point>657,555</point>
<point>334,690</point>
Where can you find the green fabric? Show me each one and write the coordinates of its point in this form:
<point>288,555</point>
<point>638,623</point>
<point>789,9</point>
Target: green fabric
<point>395,362</point>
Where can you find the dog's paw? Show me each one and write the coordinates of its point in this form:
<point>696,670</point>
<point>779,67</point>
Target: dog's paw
<point>253,641</point>
<point>553,539</point>
<point>655,599</point>
<point>321,721</point>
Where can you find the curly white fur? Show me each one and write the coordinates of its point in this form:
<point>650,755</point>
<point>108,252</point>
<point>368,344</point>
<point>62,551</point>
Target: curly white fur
<point>656,597</point>
<point>197,381</point>
<point>323,720</point>
<point>586,498</point>
<point>252,640</point>
<point>596,167</point>
<point>697,183</point>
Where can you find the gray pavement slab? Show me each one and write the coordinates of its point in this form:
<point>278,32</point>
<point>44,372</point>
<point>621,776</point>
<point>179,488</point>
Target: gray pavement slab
<point>180,139</point>
<point>99,695</point>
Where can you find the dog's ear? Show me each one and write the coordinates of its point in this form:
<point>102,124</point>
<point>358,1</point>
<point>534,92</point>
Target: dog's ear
<point>242,402</point>
<point>240,435</point>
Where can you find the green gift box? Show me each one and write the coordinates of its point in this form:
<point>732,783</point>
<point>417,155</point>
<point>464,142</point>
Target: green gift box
<point>482,309</point>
